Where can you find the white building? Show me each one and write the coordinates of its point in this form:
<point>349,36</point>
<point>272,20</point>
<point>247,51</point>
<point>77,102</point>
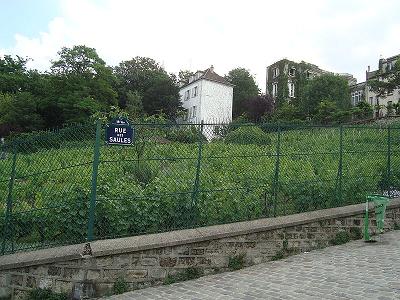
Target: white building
<point>207,97</point>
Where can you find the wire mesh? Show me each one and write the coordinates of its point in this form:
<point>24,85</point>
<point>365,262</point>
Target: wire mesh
<point>178,176</point>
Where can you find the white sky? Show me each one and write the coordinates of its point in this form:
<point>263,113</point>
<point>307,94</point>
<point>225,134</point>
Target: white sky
<point>340,36</point>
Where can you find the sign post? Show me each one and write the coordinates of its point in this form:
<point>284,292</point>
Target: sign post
<point>119,132</point>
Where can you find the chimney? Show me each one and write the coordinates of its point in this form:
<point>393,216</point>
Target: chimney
<point>369,68</point>
<point>212,69</point>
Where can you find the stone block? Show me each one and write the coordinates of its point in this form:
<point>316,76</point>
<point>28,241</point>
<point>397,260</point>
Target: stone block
<point>122,261</point>
<point>186,261</point>
<point>39,270</point>
<point>31,282</point>
<point>54,271</point>
<point>112,274</point>
<point>197,251</point>
<point>17,280</point>
<point>148,261</point>
<point>105,261</point>
<point>132,275</point>
<point>74,274</point>
<point>93,274</point>
<point>157,273</point>
<point>45,283</point>
<point>168,262</point>
<point>62,286</point>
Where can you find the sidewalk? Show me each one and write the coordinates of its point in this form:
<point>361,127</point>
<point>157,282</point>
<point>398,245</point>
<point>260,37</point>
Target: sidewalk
<point>356,270</point>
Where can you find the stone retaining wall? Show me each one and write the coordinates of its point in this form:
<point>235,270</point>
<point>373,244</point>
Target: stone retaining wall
<point>147,260</point>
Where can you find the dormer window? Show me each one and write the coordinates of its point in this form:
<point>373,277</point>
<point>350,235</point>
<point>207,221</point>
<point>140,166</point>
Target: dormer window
<point>187,95</point>
<point>292,71</point>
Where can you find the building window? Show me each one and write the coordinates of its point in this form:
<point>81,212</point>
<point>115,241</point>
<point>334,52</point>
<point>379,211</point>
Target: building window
<point>292,71</point>
<point>194,112</point>
<point>356,97</point>
<point>291,89</point>
<point>274,89</point>
<point>371,100</point>
<point>275,72</point>
<point>187,95</point>
<point>194,92</point>
<point>308,74</point>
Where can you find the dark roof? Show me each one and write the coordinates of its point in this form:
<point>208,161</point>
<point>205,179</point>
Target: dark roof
<point>210,75</point>
<point>371,74</point>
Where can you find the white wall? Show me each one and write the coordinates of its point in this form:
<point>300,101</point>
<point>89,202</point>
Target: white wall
<point>193,101</point>
<point>213,101</point>
<point>216,102</point>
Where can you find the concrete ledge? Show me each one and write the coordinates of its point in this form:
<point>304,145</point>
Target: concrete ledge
<point>179,237</point>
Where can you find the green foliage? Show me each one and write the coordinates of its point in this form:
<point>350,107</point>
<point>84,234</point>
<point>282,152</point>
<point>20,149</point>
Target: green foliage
<point>45,294</point>
<point>248,135</point>
<point>342,237</point>
<point>183,135</point>
<point>245,87</point>
<point>355,233</point>
<point>326,87</point>
<point>120,286</point>
<point>386,80</point>
<point>236,262</point>
<point>187,274</point>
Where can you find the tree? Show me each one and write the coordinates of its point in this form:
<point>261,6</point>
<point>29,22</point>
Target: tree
<point>81,84</point>
<point>184,75</point>
<point>257,107</point>
<point>159,91</point>
<point>386,80</point>
<point>245,88</point>
<point>325,87</point>
<point>326,111</point>
<point>19,113</point>
<point>288,112</point>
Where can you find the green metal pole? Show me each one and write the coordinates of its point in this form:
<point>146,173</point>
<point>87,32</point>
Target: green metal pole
<point>8,228</point>
<point>340,168</point>
<point>366,223</point>
<point>197,178</point>
<point>389,154</point>
<point>96,160</point>
<point>277,166</point>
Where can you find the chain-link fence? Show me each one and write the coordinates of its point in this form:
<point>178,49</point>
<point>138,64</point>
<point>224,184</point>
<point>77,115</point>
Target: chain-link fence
<point>69,186</point>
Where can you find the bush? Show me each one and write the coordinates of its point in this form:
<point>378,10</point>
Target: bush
<point>45,294</point>
<point>236,262</point>
<point>183,134</point>
<point>342,237</point>
<point>247,135</point>
<point>187,274</point>
<point>120,286</point>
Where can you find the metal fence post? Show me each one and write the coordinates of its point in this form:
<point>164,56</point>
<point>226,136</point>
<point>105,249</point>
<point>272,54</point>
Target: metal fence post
<point>8,226</point>
<point>277,166</point>
<point>96,159</point>
<point>197,178</point>
<point>389,154</point>
<point>339,177</point>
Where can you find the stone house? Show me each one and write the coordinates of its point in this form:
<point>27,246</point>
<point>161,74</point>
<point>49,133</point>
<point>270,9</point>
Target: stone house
<point>207,97</point>
<point>380,102</point>
<point>286,79</point>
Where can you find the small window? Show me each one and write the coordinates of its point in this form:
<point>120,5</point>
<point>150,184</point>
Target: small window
<point>371,100</point>
<point>187,95</point>
<point>275,72</point>
<point>194,94</point>
<point>292,71</point>
<point>274,89</point>
<point>291,89</point>
<point>194,112</point>
<point>308,74</point>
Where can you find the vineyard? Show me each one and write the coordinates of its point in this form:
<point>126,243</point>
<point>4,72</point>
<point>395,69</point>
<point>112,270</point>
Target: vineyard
<point>184,176</point>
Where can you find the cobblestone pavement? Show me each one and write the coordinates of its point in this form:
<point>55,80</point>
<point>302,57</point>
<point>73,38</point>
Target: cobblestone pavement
<point>356,270</point>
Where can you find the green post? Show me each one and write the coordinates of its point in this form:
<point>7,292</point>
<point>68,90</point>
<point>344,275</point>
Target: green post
<point>96,159</point>
<point>366,222</point>
<point>197,178</point>
<point>275,186</point>
<point>389,152</point>
<point>340,168</point>
<point>8,227</point>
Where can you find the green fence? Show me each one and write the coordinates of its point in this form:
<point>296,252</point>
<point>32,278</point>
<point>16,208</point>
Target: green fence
<point>68,186</point>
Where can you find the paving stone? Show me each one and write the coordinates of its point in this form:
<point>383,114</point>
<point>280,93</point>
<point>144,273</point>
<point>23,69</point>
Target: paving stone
<point>352,271</point>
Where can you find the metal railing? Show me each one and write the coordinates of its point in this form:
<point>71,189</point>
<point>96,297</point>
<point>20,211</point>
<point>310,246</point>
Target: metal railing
<point>68,186</point>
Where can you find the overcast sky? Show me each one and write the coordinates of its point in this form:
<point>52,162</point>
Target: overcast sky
<point>340,36</point>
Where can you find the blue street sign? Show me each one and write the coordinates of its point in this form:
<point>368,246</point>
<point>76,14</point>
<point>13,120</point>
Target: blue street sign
<point>119,132</point>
